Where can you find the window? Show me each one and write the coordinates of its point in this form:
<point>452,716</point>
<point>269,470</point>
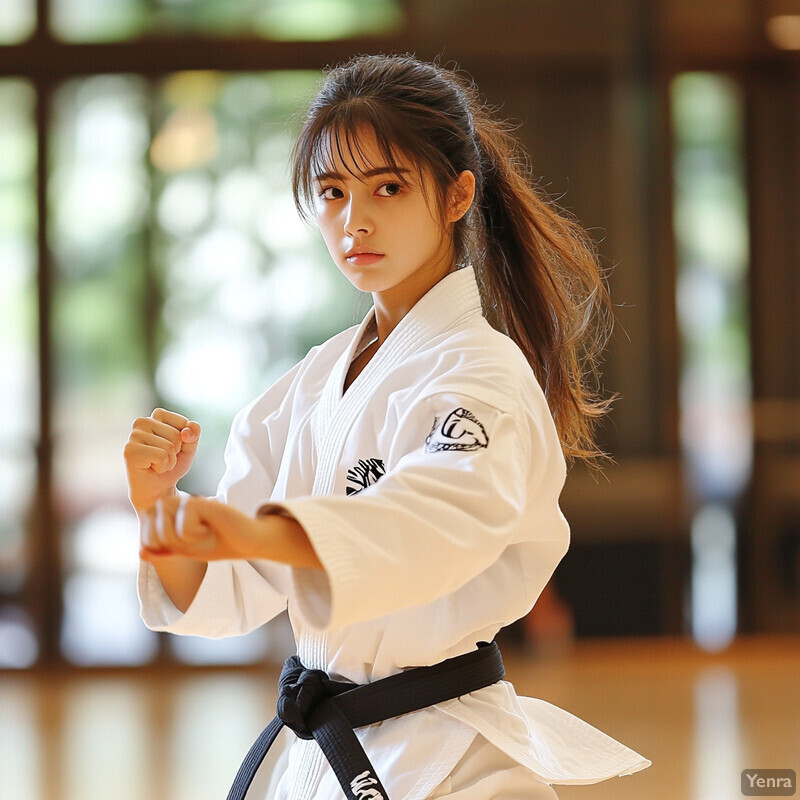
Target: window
<point>288,20</point>
<point>19,419</point>
<point>711,230</point>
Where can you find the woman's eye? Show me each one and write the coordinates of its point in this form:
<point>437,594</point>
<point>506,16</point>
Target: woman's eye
<point>331,193</point>
<point>390,189</point>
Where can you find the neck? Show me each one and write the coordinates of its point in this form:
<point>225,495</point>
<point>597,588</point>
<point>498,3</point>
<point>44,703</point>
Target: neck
<point>393,304</point>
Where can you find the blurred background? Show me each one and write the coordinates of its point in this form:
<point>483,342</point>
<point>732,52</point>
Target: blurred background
<point>150,255</point>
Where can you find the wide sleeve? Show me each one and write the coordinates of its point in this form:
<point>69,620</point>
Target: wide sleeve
<point>468,478</point>
<point>235,596</point>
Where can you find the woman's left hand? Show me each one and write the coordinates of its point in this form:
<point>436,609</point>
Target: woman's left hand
<point>208,530</point>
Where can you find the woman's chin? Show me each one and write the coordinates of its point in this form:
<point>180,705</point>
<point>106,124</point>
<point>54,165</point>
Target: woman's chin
<point>364,280</point>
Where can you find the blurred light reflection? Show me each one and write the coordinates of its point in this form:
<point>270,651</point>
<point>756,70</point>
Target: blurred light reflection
<point>188,140</point>
<point>101,621</point>
<point>713,577</point>
<point>104,744</point>
<point>17,20</point>
<point>21,743</point>
<point>321,20</point>
<point>185,204</point>
<point>204,365</point>
<point>215,720</point>
<point>19,646</point>
<point>717,762</point>
<point>783,30</point>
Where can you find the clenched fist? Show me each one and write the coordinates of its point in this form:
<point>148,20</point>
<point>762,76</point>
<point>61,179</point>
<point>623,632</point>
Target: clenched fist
<point>158,453</point>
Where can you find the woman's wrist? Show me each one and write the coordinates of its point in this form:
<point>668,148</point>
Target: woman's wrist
<point>141,505</point>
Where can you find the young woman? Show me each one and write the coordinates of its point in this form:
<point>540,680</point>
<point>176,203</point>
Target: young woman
<point>398,489</point>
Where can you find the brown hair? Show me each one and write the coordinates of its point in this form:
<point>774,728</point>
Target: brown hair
<point>537,269</point>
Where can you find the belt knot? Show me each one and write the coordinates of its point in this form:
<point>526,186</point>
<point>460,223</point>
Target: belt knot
<point>300,691</point>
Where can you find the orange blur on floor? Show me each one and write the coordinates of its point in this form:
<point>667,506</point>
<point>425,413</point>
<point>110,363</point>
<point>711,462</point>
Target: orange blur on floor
<point>179,735</point>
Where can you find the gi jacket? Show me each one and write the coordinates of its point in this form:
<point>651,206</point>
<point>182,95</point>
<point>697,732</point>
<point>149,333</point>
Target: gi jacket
<point>429,490</point>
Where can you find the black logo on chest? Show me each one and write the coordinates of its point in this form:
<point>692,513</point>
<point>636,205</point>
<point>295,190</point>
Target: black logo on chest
<point>461,430</point>
<point>366,472</point>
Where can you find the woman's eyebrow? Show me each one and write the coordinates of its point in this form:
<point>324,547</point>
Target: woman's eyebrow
<point>370,173</point>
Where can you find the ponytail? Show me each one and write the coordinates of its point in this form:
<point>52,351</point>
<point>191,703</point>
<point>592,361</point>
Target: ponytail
<point>542,285</point>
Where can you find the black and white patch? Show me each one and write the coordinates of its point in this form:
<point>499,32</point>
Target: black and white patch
<point>366,472</point>
<point>460,430</point>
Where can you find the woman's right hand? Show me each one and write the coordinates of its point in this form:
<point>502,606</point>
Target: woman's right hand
<point>158,453</point>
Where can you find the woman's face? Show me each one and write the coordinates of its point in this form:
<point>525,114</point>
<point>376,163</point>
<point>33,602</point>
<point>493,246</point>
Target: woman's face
<point>382,226</point>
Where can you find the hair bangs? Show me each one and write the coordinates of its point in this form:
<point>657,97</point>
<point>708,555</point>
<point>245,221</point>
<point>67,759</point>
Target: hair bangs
<point>336,134</point>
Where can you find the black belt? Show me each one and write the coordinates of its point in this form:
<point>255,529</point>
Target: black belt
<point>314,706</point>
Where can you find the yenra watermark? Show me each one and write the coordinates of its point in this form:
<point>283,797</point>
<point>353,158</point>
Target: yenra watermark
<point>769,782</point>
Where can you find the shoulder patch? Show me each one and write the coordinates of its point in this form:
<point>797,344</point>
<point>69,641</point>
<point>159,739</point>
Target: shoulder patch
<point>460,430</point>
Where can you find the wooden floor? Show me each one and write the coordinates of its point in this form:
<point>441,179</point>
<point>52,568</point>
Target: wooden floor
<point>701,718</point>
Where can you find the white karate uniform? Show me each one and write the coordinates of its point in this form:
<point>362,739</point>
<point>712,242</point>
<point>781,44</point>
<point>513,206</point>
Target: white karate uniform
<point>429,490</point>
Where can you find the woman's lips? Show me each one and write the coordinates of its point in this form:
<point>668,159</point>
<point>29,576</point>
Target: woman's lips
<point>364,259</point>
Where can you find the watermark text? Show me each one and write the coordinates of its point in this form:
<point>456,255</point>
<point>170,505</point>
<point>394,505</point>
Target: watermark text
<point>769,782</point>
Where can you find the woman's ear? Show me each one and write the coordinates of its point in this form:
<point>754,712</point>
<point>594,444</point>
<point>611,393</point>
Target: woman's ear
<point>462,193</point>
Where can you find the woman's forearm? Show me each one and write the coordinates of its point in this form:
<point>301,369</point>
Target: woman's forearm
<point>287,542</point>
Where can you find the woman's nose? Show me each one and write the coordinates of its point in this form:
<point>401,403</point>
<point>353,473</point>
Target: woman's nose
<point>358,219</point>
